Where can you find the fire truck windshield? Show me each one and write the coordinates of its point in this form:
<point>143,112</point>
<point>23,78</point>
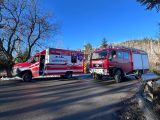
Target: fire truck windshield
<point>99,55</point>
<point>33,59</point>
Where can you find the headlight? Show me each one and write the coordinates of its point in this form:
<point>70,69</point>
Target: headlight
<point>18,70</point>
<point>15,70</point>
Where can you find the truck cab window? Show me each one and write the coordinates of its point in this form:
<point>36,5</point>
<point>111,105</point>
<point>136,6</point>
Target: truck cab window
<point>99,55</point>
<point>120,55</point>
<point>74,58</point>
<point>34,59</point>
<point>113,53</point>
<point>126,55</point>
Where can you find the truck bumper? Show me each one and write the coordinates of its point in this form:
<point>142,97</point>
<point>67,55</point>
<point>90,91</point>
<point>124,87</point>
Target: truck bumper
<point>99,71</point>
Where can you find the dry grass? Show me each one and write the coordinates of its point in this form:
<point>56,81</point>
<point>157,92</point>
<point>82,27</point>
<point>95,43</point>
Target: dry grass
<point>132,111</point>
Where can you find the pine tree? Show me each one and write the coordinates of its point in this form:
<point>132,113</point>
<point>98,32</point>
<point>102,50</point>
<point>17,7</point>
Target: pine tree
<point>150,4</point>
<point>104,43</point>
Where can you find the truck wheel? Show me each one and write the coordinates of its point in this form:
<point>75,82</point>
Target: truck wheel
<point>63,76</point>
<point>27,77</point>
<point>93,75</point>
<point>68,75</point>
<point>97,77</point>
<point>118,76</point>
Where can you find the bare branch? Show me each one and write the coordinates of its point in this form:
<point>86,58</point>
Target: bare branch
<point>24,20</point>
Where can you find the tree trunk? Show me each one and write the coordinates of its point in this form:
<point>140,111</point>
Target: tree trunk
<point>29,54</point>
<point>9,70</point>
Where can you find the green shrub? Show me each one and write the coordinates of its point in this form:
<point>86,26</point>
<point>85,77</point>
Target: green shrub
<point>156,71</point>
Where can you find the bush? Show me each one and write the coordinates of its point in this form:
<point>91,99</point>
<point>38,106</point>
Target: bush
<point>156,71</point>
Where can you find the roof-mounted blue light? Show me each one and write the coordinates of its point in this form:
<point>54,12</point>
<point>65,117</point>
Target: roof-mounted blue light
<point>110,46</point>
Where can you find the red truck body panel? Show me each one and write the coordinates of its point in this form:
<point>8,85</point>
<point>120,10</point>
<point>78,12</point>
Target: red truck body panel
<point>53,62</point>
<point>128,60</point>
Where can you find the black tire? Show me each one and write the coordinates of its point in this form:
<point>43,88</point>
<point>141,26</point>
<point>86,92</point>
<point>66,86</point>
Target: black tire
<point>63,76</point>
<point>68,75</point>
<point>93,76</point>
<point>118,76</point>
<point>136,77</point>
<point>27,77</point>
<point>98,77</point>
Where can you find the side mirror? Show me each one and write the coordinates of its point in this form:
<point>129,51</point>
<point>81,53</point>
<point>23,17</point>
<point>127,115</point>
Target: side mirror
<point>33,61</point>
<point>110,57</point>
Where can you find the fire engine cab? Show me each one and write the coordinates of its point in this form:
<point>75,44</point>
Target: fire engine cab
<point>118,62</point>
<point>50,62</point>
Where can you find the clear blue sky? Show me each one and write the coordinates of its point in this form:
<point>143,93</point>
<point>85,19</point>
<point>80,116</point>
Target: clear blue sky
<point>84,21</point>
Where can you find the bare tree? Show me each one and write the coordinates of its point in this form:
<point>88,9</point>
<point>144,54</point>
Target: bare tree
<point>1,14</point>
<point>1,1</point>
<point>12,14</point>
<point>11,17</point>
<point>24,23</point>
<point>37,26</point>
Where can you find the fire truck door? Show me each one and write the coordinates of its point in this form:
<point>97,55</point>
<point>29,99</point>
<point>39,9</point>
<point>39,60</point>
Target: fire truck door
<point>42,62</point>
<point>127,65</point>
<point>74,58</point>
<point>113,58</point>
<point>35,65</point>
<point>120,59</point>
<point>73,61</point>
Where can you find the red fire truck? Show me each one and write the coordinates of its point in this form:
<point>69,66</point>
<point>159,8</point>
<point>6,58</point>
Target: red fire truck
<point>118,62</point>
<point>50,62</point>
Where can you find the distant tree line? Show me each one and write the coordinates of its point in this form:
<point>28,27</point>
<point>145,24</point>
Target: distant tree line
<point>88,48</point>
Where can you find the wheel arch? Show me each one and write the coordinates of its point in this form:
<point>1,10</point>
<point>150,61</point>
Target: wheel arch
<point>68,74</point>
<point>116,69</point>
<point>25,71</point>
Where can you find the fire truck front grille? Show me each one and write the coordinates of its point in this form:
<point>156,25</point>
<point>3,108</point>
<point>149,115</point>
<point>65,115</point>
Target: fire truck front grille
<point>97,65</point>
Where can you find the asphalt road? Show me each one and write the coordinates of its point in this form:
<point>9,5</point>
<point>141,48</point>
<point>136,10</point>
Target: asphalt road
<point>61,99</point>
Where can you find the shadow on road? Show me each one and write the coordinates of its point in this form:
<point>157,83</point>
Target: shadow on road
<point>57,104</point>
<point>106,112</point>
<point>11,83</point>
<point>110,81</point>
<point>55,95</point>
